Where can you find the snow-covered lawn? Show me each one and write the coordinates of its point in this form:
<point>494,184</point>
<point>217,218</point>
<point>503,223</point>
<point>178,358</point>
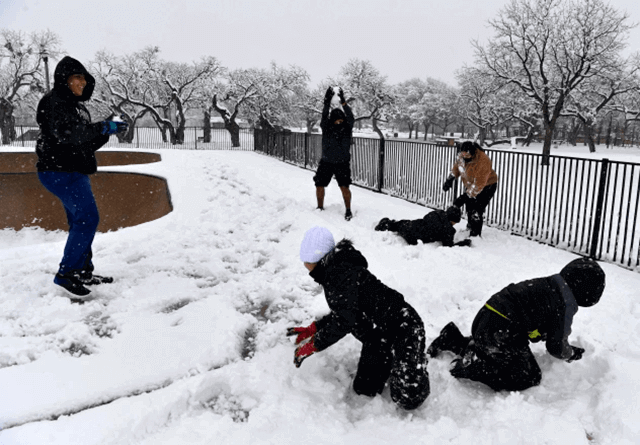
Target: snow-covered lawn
<point>188,344</point>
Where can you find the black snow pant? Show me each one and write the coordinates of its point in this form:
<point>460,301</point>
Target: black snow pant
<point>498,355</point>
<point>475,208</point>
<point>408,229</point>
<point>400,360</point>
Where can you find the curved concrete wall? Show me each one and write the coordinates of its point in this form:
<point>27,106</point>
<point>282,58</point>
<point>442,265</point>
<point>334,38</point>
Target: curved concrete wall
<point>123,199</point>
<point>25,162</point>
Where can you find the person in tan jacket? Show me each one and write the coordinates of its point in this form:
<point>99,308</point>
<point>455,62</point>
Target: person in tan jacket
<point>473,166</point>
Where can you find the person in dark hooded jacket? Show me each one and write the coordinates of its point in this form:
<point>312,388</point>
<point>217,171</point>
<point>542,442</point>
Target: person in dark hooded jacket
<point>391,331</point>
<point>435,226</point>
<point>542,309</point>
<point>337,129</point>
<point>66,156</point>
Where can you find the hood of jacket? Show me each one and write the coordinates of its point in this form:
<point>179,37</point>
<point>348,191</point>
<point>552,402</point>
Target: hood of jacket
<point>345,254</point>
<point>586,279</point>
<point>66,67</point>
<point>343,257</point>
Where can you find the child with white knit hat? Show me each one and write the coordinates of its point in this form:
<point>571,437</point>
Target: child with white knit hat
<point>391,331</point>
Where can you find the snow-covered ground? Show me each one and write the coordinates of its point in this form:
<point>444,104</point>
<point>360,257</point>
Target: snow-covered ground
<point>188,344</point>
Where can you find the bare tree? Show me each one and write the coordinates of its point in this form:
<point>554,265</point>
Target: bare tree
<point>549,47</point>
<point>408,105</point>
<point>143,83</point>
<point>280,91</point>
<point>238,87</point>
<point>481,101</point>
<point>373,98</point>
<point>21,71</point>
<point>310,106</point>
<point>595,97</point>
<point>447,102</point>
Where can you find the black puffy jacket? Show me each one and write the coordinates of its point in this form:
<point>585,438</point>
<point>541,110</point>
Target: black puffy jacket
<point>68,140</point>
<point>542,309</point>
<point>336,138</point>
<point>435,226</point>
<point>360,304</point>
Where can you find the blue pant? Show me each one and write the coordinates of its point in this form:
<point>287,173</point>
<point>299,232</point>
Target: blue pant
<point>74,191</point>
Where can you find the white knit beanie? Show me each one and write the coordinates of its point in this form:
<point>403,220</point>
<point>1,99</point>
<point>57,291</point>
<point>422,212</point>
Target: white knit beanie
<point>317,242</point>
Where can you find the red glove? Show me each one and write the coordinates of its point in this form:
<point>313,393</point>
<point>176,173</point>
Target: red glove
<point>303,352</point>
<point>303,333</point>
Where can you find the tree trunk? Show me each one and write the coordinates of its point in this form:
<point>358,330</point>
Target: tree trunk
<point>179,134</point>
<point>546,146</point>
<point>7,122</point>
<point>311,123</point>
<point>482,135</point>
<point>206,127</point>
<point>588,136</point>
<point>234,131</point>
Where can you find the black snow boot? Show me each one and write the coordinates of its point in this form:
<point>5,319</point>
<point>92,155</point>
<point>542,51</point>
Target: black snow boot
<point>348,215</point>
<point>89,279</point>
<point>72,284</point>
<point>383,225</point>
<point>450,339</point>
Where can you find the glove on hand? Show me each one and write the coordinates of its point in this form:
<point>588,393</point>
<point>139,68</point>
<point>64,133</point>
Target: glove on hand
<point>341,96</point>
<point>328,96</point>
<point>463,243</point>
<point>303,352</point>
<point>302,333</point>
<point>577,354</point>
<point>111,127</point>
<point>448,183</point>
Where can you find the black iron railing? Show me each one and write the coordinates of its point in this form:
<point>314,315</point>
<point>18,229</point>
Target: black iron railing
<point>589,207</point>
<point>585,206</point>
<point>152,137</point>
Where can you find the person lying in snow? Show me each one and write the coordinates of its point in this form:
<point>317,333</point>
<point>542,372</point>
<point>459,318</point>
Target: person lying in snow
<point>391,331</point>
<point>542,309</point>
<point>433,227</point>
<point>473,166</point>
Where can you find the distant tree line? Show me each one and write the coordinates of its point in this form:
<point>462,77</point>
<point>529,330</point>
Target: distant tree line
<point>551,66</point>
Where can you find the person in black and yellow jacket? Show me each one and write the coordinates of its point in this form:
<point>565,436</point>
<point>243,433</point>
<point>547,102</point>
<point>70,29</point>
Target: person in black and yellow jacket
<point>542,309</point>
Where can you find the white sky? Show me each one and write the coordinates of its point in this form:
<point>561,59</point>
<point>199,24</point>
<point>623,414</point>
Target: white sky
<point>403,39</point>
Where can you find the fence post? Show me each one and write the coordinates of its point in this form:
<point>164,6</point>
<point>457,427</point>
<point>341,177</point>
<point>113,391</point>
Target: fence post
<point>306,149</point>
<point>195,137</point>
<point>137,138</point>
<point>22,133</point>
<point>381,165</point>
<point>595,235</point>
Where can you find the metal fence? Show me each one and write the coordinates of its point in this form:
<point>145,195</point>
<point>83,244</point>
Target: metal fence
<point>585,206</point>
<point>151,137</point>
<point>589,207</point>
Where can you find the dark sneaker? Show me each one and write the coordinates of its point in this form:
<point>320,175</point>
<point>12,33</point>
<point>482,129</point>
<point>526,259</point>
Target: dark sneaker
<point>71,284</point>
<point>348,215</point>
<point>450,339</point>
<point>382,225</point>
<point>89,279</point>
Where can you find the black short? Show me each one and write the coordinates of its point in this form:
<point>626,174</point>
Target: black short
<point>326,170</point>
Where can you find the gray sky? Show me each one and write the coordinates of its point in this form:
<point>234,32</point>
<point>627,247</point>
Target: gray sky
<point>402,38</point>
